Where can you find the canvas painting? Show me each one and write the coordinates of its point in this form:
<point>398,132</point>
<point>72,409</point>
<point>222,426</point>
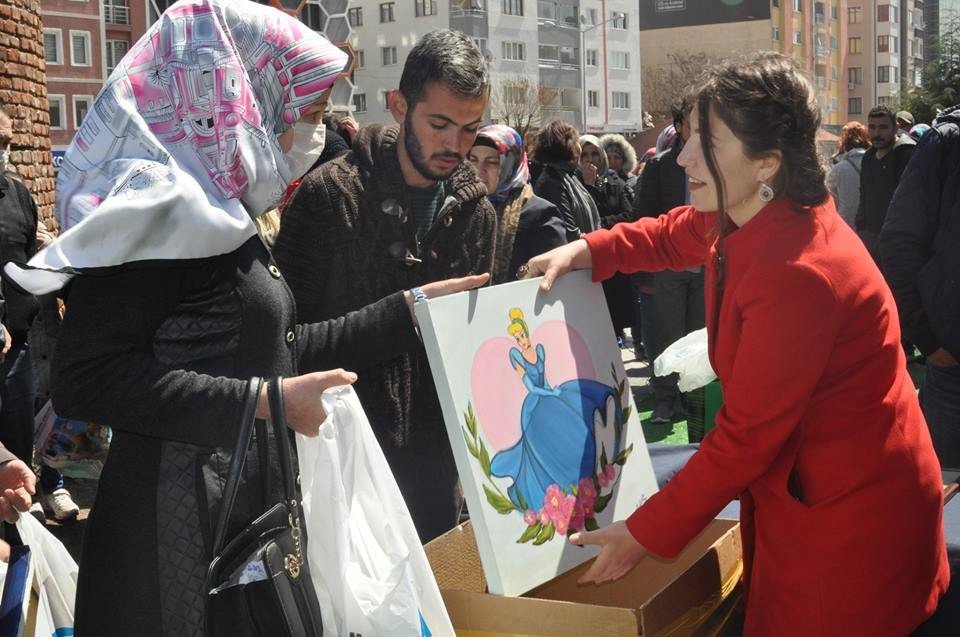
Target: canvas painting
<point>541,418</point>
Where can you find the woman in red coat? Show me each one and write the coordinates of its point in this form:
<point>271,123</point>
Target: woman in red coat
<point>820,434</point>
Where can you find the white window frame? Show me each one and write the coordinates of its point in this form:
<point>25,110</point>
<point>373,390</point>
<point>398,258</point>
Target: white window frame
<point>108,51</point>
<point>58,49</point>
<point>383,56</point>
<point>62,99</point>
<point>776,34</point>
<point>797,36</point>
<point>365,106</point>
<point>591,58</point>
<point>385,98</point>
<point>88,42</point>
<point>619,21</point>
<point>614,62</point>
<point>80,98</point>
<point>593,99</point>
<point>513,51</point>
<point>360,58</point>
<point>614,101</point>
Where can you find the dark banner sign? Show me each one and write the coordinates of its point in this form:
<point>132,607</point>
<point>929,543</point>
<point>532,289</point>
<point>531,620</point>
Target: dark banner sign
<point>662,14</point>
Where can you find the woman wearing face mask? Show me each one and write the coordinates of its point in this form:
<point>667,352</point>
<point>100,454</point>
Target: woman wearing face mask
<point>526,224</point>
<point>820,434</point>
<point>175,302</point>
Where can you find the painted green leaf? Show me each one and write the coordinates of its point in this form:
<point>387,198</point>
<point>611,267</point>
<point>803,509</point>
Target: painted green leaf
<point>621,458</point>
<point>498,502</point>
<point>531,532</point>
<point>472,448</point>
<point>471,420</point>
<point>603,456</point>
<point>625,414</point>
<point>484,459</point>
<point>591,524</point>
<point>546,534</point>
<point>621,387</point>
<point>523,502</point>
<point>602,502</point>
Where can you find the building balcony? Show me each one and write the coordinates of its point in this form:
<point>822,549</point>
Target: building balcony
<point>116,14</point>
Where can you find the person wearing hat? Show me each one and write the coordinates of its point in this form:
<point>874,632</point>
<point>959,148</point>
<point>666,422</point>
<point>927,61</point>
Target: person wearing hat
<point>904,122</point>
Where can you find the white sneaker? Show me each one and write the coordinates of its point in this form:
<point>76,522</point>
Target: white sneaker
<point>36,510</point>
<point>61,505</point>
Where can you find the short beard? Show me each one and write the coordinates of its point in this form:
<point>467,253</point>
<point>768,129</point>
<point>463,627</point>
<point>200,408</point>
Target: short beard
<point>415,152</point>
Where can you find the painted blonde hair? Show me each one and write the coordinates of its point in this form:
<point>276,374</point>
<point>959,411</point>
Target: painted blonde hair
<point>517,324</point>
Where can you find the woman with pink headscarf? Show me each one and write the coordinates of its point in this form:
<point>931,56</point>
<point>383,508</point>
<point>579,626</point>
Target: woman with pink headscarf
<point>175,301</point>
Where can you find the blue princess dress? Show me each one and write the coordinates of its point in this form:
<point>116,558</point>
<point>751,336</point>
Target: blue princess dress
<point>557,444</point>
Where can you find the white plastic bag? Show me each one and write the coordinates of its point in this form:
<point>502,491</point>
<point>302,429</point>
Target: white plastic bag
<point>688,357</point>
<point>54,578</point>
<point>367,564</point>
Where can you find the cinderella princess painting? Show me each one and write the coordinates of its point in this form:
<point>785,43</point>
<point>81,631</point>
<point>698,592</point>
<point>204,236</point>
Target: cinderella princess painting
<point>557,445</point>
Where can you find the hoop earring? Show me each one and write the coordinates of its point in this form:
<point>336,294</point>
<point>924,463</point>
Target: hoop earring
<point>766,192</point>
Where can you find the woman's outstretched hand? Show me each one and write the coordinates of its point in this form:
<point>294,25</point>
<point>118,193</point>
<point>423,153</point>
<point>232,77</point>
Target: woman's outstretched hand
<point>554,264</point>
<point>302,399</point>
<point>619,552</point>
<point>445,287</point>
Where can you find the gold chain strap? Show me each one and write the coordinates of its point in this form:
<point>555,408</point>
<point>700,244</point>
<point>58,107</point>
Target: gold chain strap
<point>293,561</point>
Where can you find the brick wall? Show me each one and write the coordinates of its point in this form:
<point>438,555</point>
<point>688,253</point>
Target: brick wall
<point>23,95</point>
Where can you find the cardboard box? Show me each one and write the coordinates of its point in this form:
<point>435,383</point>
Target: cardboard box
<point>659,597</point>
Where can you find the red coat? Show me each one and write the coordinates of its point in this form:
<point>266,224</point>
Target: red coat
<point>820,433</point>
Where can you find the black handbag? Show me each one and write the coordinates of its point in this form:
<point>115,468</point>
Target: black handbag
<point>259,583</point>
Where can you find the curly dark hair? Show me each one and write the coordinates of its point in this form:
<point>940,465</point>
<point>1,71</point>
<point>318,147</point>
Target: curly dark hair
<point>770,107</point>
<point>556,142</point>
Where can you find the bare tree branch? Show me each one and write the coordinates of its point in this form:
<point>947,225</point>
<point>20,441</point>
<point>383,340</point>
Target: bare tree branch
<point>521,103</point>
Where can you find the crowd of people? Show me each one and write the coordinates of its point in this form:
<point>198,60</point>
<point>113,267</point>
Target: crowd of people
<point>302,251</point>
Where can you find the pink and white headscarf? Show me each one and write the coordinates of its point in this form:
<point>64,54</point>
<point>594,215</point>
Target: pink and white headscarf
<point>182,141</point>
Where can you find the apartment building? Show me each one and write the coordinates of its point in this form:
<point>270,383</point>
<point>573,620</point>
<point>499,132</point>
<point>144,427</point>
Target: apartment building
<point>940,17</point>
<point>885,44</point>
<point>574,58</point>
<point>811,31</point>
<point>82,41</point>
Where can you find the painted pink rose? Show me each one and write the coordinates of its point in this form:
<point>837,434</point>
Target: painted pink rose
<point>553,501</point>
<point>587,496</point>
<point>607,476</point>
<point>530,517</point>
<point>565,514</point>
<point>543,517</point>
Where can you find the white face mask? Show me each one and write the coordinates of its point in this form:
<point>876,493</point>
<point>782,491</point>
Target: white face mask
<point>308,141</point>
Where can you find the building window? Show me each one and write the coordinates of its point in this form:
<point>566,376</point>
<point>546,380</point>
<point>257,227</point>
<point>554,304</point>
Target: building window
<point>620,99</point>
<point>361,59</point>
<point>854,45</point>
<point>798,5</point>
<point>834,73</point>
<point>855,75</point>
<point>590,17</point>
<point>386,12</point>
<point>312,15</point>
<point>355,16</point>
<point>854,16</point>
<point>79,48</point>
<point>619,21</point>
<point>360,102</point>
<point>385,97</point>
<point>885,100</point>
<point>549,52</point>
<point>834,12</point>
<point>886,13</point>
<point>775,3</point>
<point>424,7</point>
<point>893,44</point>
<point>569,55</point>
<point>591,57</point>
<point>116,12</point>
<point>53,46</point>
<point>81,106</point>
<point>116,49</point>
<point>57,105</point>
<point>619,60</point>
<point>776,34</point>
<point>514,51</point>
<point>855,105</point>
<point>883,74</point>
<point>512,7</point>
<point>887,43</point>
<point>593,99</point>
<point>797,37</point>
<point>388,55</point>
